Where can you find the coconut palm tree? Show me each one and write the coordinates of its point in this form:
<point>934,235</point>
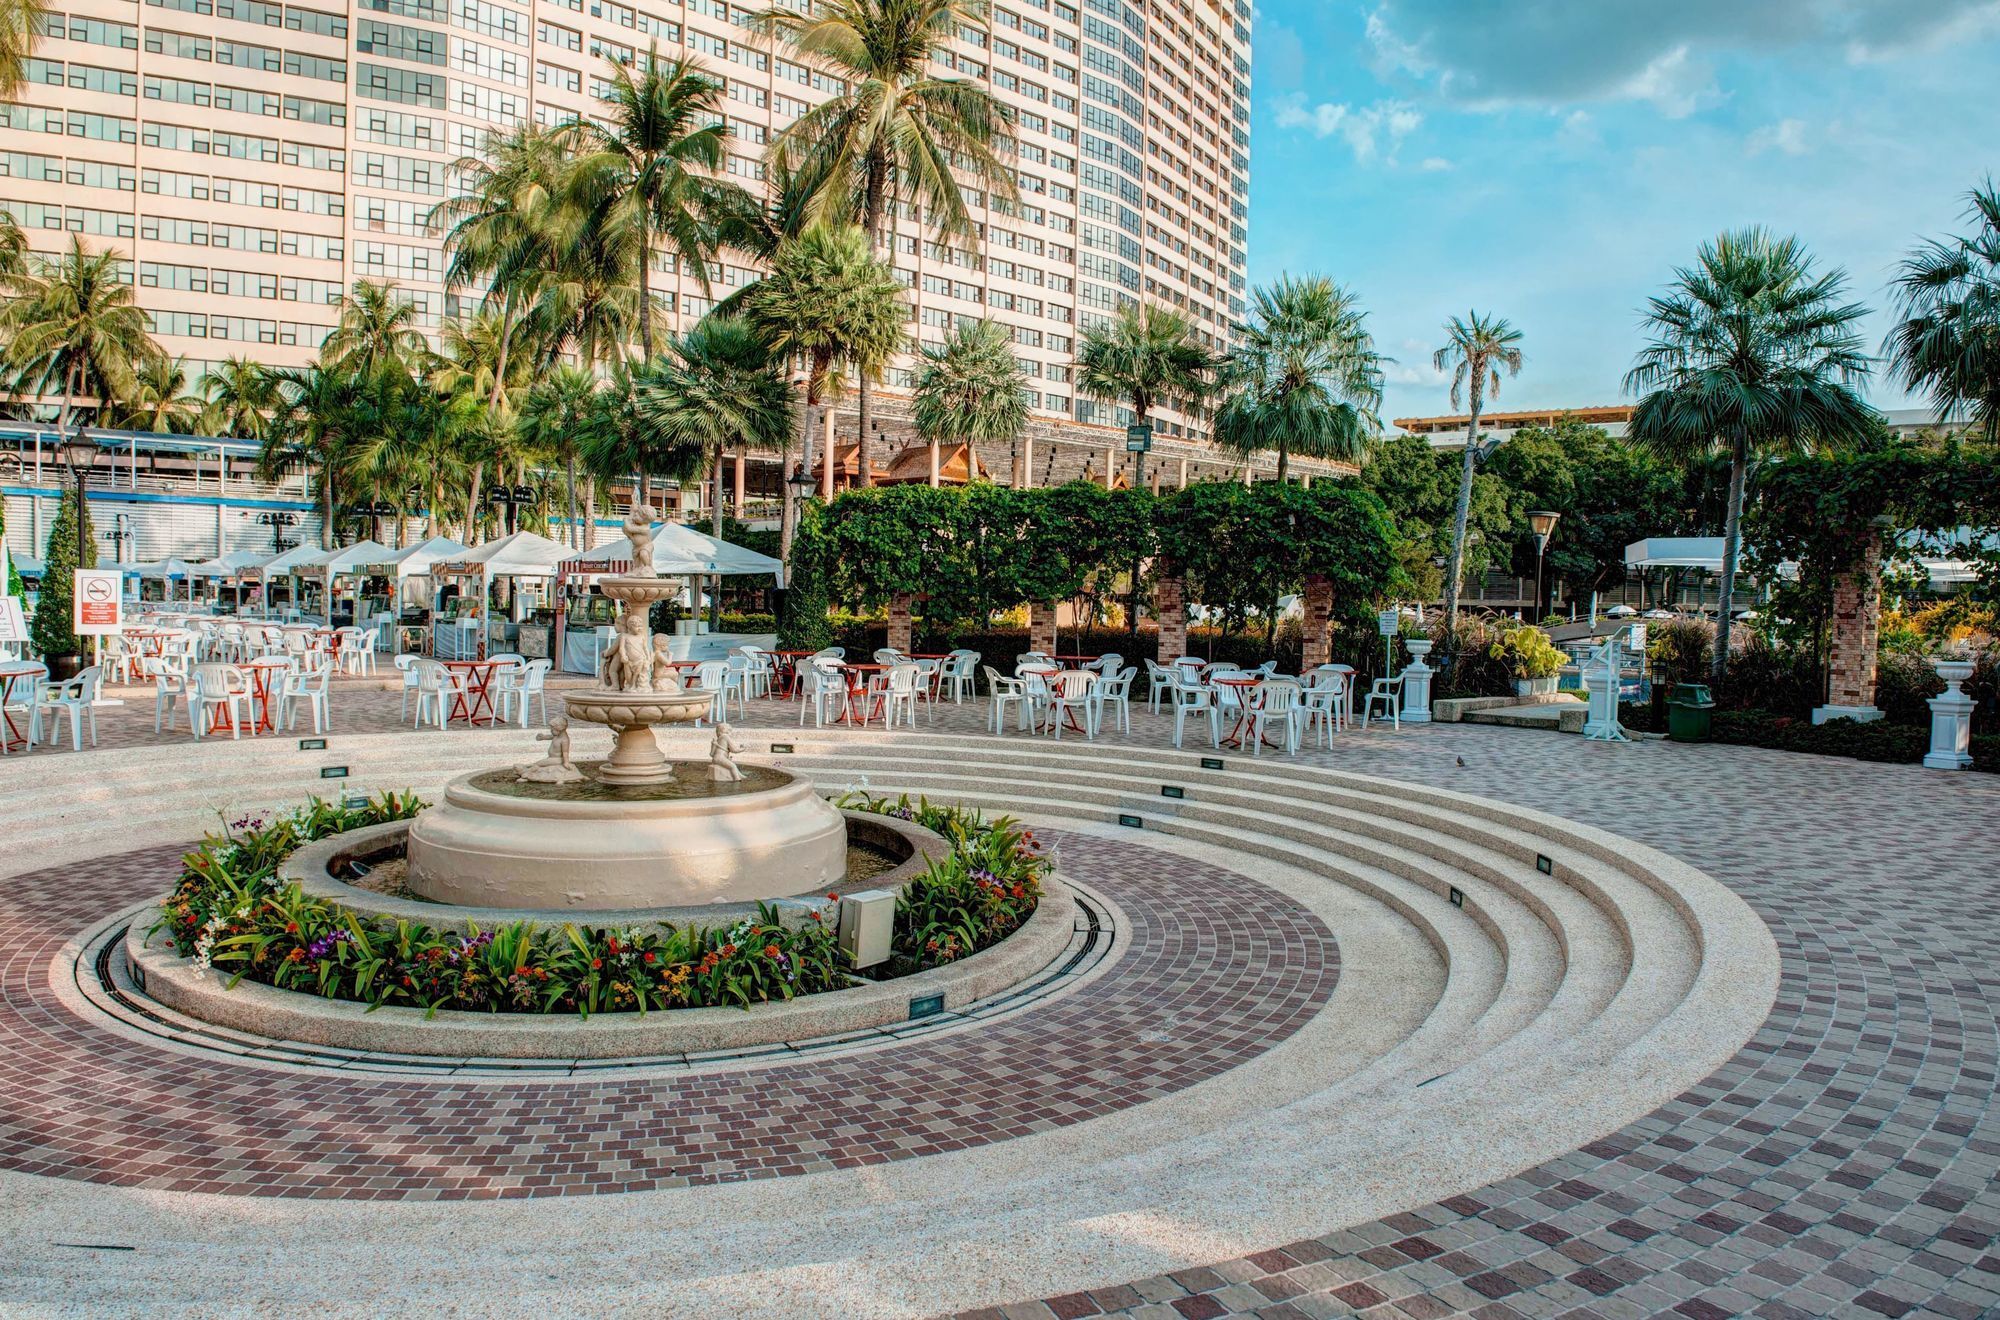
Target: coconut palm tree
<point>586,304</point>
<point>73,329</point>
<point>970,389</point>
<point>832,303</point>
<point>376,329</point>
<point>650,162</point>
<point>20,32</point>
<point>715,387</point>
<point>497,228</point>
<point>241,398</point>
<point>1753,351</point>
<point>1477,349</point>
<point>474,364</point>
<point>1947,344</point>
<point>1302,377</point>
<point>895,132</point>
<point>160,401</point>
<point>555,415</point>
<point>13,249</point>
<point>317,418</point>
<point>1147,356</point>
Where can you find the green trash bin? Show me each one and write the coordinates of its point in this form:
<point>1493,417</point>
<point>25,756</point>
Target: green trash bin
<point>1690,713</point>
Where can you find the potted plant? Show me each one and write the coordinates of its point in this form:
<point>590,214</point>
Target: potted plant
<point>1531,658</point>
<point>53,628</point>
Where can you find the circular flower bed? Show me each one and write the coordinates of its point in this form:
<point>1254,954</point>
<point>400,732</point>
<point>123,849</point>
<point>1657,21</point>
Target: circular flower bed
<point>230,913</point>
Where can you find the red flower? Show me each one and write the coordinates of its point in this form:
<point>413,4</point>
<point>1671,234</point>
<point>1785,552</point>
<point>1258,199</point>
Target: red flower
<point>291,928</point>
<point>596,963</point>
<point>651,958</point>
<point>833,898</point>
<point>729,950</point>
<point>770,950</point>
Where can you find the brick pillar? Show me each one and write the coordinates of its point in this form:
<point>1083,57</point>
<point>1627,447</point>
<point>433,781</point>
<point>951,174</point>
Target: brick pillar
<point>1318,608</point>
<point>1170,608</point>
<point>1857,627</point>
<point>899,621</point>
<point>1042,627</point>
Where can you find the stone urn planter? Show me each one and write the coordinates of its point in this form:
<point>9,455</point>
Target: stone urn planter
<point>1535,687</point>
<point>1951,718</point>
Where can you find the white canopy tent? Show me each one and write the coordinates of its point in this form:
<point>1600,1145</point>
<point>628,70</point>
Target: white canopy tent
<point>416,560</point>
<point>236,563</point>
<point>1705,553</point>
<point>678,551</point>
<point>521,554</point>
<point>288,563</point>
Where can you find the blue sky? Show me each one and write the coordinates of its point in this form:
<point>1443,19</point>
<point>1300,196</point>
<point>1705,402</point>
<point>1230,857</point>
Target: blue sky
<point>1551,161</point>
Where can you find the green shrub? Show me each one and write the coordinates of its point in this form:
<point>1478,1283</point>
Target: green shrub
<point>1466,664</point>
<point>1527,653</point>
<point>1875,741</point>
<point>51,631</point>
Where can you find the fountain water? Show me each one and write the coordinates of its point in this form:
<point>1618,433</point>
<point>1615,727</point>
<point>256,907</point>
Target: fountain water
<point>636,829</point>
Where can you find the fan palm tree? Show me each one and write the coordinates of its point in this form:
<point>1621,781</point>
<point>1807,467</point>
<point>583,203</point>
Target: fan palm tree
<point>1477,349</point>
<point>1145,357</point>
<point>970,389</point>
<point>832,303</point>
<point>73,329</point>
<point>1303,376</point>
<point>160,401</point>
<point>895,131</point>
<point>1947,344</point>
<point>1753,352</point>
<point>376,329</point>
<point>241,398</point>
<point>497,228</point>
<point>20,32</point>
<point>650,162</point>
<point>555,415</point>
<point>714,387</point>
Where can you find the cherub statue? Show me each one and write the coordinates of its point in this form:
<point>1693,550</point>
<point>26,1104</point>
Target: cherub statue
<point>639,530</point>
<point>722,767</point>
<point>666,678</point>
<point>628,665</point>
<point>554,768</point>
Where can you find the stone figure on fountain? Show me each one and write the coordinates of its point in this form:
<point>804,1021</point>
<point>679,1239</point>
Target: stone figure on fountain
<point>666,678</point>
<point>722,767</point>
<point>555,767</point>
<point>628,665</point>
<point>639,530</point>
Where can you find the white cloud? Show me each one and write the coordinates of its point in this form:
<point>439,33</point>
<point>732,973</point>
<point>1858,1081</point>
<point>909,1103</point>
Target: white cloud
<point>1370,132</point>
<point>1787,136</point>
<point>1434,164</point>
<point>1675,84</point>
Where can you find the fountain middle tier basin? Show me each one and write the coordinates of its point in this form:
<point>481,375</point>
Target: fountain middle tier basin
<point>493,841</point>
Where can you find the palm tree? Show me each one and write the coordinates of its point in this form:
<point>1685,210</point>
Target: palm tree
<point>1476,351</point>
<point>20,32</point>
<point>714,387</point>
<point>497,227</point>
<point>242,396</point>
<point>13,249</point>
<point>1303,376</point>
<point>316,419</point>
<point>1948,343</point>
<point>651,166</point>
<point>553,420</point>
<point>160,401</point>
<point>831,302</point>
<point>73,328</point>
<point>474,365</point>
<point>586,304</point>
<point>1753,352</point>
<point>376,329</point>
<point>1145,357</point>
<point>896,131</point>
<point>969,389</point>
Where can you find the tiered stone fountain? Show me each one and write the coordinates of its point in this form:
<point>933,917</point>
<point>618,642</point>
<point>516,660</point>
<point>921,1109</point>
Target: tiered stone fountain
<point>635,830</point>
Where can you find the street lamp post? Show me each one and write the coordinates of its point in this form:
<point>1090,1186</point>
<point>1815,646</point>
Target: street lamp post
<point>510,499</point>
<point>277,522</point>
<point>1543,523</point>
<point>798,486</point>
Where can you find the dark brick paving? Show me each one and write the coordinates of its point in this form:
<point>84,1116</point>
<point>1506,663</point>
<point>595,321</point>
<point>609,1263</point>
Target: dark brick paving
<point>1218,970</point>
<point>1842,1165</point>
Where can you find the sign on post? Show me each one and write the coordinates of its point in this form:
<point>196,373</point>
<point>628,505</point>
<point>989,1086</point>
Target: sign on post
<point>1139,438</point>
<point>97,602</point>
<point>1389,622</point>
<point>13,622</point>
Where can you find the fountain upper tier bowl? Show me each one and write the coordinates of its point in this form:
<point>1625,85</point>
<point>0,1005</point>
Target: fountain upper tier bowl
<point>495,842</point>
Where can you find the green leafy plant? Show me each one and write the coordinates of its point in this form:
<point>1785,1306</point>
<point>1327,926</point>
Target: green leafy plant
<point>1527,652</point>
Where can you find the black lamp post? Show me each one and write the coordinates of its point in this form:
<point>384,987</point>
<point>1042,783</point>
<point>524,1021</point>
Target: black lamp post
<point>510,499</point>
<point>1543,523</point>
<point>79,453</point>
<point>277,522</point>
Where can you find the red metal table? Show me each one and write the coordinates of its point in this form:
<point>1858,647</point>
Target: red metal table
<point>475,704</point>
<point>262,674</point>
<point>857,689</point>
<point>788,669</point>
<point>1240,730</point>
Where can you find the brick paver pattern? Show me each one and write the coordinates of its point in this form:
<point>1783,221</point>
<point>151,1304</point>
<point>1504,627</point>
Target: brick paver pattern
<point>1218,969</point>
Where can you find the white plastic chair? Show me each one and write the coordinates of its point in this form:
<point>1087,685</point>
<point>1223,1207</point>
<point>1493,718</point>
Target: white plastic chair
<point>1073,690</point>
<point>897,689</point>
<point>1159,683</point>
<point>714,676</point>
<point>1388,694</point>
<point>960,678</point>
<point>524,684</point>
<point>223,688</point>
<point>1005,692</point>
<point>1114,689</point>
<point>170,689</point>
<point>760,668</point>
<point>1106,664</point>
<point>74,696</point>
<point>823,687</point>
<point>21,691</point>
<point>437,688</point>
<point>1324,703</point>
<point>310,687</point>
<point>1193,699</point>
<point>1274,703</point>
<point>405,664</point>
<point>889,655</point>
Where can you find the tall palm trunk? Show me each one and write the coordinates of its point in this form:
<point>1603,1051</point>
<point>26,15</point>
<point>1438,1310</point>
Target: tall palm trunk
<point>876,203</point>
<point>589,530</point>
<point>1732,532</point>
<point>472,504</point>
<point>326,525</point>
<point>645,287</point>
<point>715,530</point>
<point>1284,460</point>
<point>569,481</point>
<point>1455,569</point>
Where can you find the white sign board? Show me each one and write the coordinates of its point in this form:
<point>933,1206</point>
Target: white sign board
<point>1389,622</point>
<point>98,604</point>
<point>13,621</point>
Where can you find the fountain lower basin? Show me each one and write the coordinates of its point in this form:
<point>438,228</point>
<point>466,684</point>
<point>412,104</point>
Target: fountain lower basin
<point>493,841</point>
